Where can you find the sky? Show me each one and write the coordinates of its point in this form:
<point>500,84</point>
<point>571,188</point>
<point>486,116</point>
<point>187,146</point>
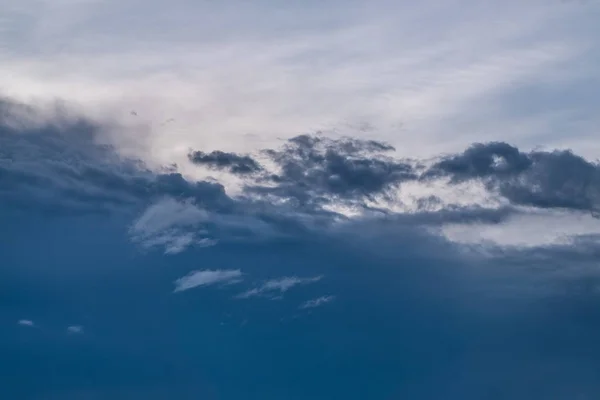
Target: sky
<point>299,200</point>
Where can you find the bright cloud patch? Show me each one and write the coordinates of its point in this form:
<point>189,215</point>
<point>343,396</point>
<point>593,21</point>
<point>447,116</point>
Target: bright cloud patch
<point>206,278</point>
<point>25,322</point>
<point>536,228</point>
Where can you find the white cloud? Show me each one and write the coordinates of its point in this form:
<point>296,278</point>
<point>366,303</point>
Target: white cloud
<point>319,301</point>
<point>280,285</point>
<point>26,322</point>
<point>206,278</point>
<point>167,213</point>
<point>75,329</point>
<point>172,224</point>
<point>535,228</point>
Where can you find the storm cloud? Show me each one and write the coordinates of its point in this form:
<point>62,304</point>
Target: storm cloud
<point>234,163</point>
<point>313,170</point>
<point>541,179</point>
<point>59,163</point>
<point>63,164</point>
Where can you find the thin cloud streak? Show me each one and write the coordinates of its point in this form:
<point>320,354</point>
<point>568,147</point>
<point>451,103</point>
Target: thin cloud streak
<point>319,301</point>
<point>206,278</point>
<point>279,286</point>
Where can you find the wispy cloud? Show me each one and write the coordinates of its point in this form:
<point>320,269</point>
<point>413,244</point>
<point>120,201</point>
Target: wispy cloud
<point>206,278</point>
<point>75,329</point>
<point>26,322</point>
<point>171,224</point>
<point>319,301</point>
<point>279,286</point>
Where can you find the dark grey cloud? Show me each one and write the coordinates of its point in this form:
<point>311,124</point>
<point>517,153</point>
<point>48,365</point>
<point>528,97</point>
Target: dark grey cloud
<point>542,179</point>
<point>482,161</point>
<point>234,163</point>
<point>59,164</point>
<point>314,170</point>
<point>317,170</point>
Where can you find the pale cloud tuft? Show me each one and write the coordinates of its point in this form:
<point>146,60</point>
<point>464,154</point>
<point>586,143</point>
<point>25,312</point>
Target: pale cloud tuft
<point>75,329</point>
<point>26,322</point>
<point>206,278</point>
<point>172,225</point>
<point>280,285</point>
<point>319,301</point>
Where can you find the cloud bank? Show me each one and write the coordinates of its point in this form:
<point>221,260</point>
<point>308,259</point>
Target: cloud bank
<point>312,182</point>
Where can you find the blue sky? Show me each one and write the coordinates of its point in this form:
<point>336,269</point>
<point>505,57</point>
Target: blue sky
<point>316,200</point>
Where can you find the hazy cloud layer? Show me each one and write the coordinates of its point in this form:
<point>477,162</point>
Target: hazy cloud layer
<point>431,77</point>
<point>55,162</point>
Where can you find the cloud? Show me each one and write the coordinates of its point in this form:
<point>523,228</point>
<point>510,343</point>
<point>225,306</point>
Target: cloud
<point>234,163</point>
<point>483,160</point>
<point>26,322</point>
<point>541,179</point>
<point>314,168</point>
<point>527,229</point>
<point>75,329</point>
<point>312,171</point>
<point>54,161</point>
<point>206,278</point>
<point>319,301</point>
<point>171,224</point>
<point>280,285</point>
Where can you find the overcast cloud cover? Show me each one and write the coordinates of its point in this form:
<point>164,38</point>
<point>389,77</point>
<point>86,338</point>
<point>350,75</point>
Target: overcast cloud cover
<point>300,200</point>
